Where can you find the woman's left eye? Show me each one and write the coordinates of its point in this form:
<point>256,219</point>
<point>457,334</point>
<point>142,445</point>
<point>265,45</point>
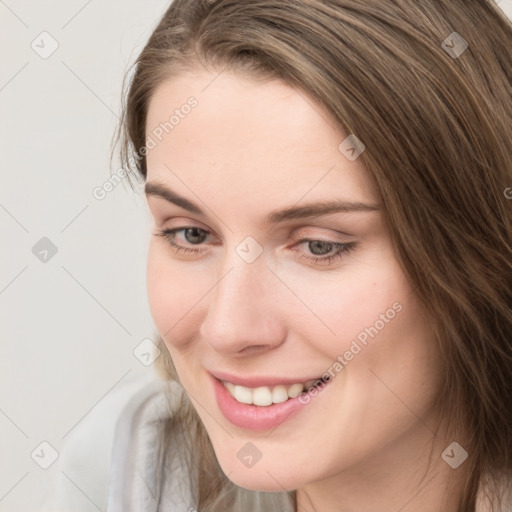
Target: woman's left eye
<point>324,247</point>
<point>340,249</point>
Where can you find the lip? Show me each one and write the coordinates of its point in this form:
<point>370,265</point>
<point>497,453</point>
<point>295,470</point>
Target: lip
<point>256,382</point>
<point>254,417</point>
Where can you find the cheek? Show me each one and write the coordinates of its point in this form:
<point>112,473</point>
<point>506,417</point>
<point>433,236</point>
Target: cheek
<point>174,294</point>
<point>364,305</point>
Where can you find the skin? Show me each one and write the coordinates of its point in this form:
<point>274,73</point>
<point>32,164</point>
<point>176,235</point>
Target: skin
<point>250,147</point>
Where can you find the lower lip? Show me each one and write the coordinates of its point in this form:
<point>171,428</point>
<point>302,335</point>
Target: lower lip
<point>255,417</point>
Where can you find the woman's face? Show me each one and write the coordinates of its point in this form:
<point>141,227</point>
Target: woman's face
<point>254,165</point>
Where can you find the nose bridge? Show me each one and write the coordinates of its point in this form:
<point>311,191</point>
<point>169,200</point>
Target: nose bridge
<point>240,309</point>
<point>235,295</point>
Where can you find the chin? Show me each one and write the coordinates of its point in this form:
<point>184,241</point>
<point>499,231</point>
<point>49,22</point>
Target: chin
<point>260,477</point>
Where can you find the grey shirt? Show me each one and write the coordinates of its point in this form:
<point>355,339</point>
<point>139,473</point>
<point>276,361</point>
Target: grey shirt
<point>114,461</point>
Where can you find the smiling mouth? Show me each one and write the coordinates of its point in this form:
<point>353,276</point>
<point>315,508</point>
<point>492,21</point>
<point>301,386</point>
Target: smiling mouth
<point>267,395</point>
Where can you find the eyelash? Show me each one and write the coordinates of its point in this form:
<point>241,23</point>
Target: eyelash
<point>343,248</point>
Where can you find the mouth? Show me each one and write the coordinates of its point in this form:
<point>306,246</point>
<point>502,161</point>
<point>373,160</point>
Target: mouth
<point>257,407</point>
<point>263,396</point>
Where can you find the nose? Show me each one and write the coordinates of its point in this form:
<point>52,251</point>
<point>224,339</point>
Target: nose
<point>243,315</point>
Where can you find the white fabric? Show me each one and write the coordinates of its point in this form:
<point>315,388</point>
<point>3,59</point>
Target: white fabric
<point>112,461</point>
<point>147,476</point>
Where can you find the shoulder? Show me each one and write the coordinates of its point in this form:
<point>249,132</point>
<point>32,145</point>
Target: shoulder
<point>91,451</point>
<point>147,468</point>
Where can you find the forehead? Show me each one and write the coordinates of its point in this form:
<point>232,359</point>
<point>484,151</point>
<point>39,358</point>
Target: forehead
<point>226,129</point>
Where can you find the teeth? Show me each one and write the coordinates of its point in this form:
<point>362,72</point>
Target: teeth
<point>261,396</point>
<point>264,396</point>
<point>279,394</point>
<point>295,390</point>
<point>243,395</point>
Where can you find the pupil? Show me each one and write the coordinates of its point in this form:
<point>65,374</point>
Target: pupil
<point>319,245</point>
<point>196,233</point>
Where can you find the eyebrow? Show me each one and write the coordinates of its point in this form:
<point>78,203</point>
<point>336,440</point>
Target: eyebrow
<point>294,212</point>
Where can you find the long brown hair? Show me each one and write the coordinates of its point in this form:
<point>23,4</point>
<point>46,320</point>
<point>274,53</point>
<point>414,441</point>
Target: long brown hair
<point>436,120</point>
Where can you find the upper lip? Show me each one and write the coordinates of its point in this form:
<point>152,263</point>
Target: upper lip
<point>259,381</point>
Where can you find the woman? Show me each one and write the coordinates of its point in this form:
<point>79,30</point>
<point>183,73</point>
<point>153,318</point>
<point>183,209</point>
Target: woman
<point>331,268</point>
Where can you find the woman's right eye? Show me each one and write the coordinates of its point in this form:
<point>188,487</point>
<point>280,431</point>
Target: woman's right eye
<point>193,231</point>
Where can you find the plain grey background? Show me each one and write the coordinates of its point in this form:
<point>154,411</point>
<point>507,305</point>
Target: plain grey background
<point>69,325</point>
<point>70,321</point>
